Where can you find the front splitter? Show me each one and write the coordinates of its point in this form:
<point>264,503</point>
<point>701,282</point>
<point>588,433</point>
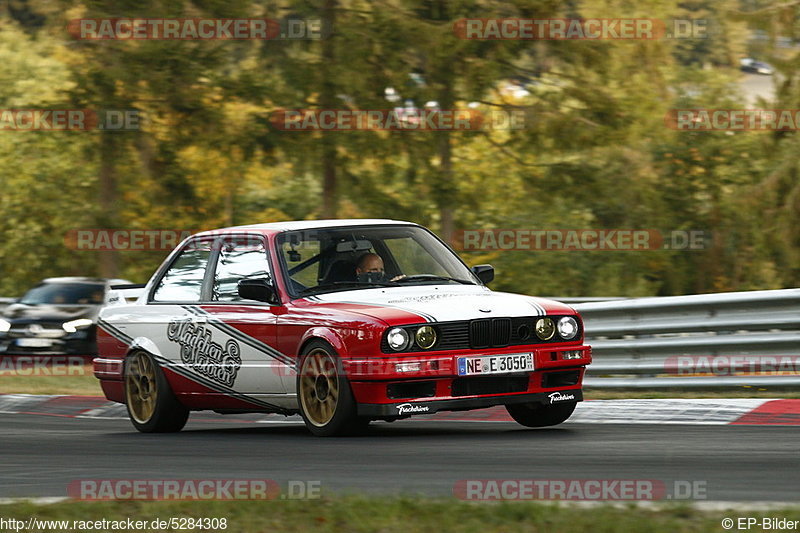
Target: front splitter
<point>422,407</point>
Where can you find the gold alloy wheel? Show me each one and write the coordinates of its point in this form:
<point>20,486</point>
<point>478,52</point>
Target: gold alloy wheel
<point>319,387</point>
<point>141,392</point>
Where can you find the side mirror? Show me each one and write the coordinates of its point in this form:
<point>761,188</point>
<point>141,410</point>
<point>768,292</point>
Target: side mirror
<point>485,273</point>
<point>260,290</point>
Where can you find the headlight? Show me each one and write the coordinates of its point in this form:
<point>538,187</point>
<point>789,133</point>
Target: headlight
<point>5,325</point>
<point>545,328</point>
<point>567,327</point>
<point>74,325</point>
<point>425,337</point>
<point>397,339</point>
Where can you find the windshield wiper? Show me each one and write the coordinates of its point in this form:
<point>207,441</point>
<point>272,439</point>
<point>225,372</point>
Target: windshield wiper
<point>336,284</point>
<point>432,277</point>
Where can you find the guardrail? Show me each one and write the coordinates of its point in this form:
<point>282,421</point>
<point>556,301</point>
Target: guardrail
<point>704,340</point>
<point>580,299</point>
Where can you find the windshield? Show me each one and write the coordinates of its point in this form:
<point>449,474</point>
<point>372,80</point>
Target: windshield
<point>65,294</point>
<point>339,259</point>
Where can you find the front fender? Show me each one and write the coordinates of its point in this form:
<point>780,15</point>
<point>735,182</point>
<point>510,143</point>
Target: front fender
<point>329,335</point>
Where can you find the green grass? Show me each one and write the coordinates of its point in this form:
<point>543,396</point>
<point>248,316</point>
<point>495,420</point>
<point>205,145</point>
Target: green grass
<point>403,515</point>
<point>84,384</point>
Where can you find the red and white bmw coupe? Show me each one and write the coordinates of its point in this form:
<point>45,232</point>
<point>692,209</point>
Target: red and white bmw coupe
<point>342,321</point>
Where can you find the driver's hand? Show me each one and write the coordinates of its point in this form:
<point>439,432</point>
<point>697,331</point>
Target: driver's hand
<point>401,276</point>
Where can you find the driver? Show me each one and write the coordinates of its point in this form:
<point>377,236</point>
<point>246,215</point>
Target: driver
<point>369,268</point>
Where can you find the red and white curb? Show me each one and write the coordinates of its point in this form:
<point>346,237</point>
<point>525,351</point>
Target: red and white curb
<point>735,411</point>
<point>748,411</point>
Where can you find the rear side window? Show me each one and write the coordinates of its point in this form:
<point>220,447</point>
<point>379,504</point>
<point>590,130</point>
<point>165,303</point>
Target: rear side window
<point>183,281</point>
<point>239,258</point>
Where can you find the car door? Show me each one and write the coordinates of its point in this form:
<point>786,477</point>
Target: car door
<point>170,327</point>
<point>250,324</point>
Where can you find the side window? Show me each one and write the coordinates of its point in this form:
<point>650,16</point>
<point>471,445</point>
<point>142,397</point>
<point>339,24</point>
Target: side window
<point>183,281</point>
<point>239,258</point>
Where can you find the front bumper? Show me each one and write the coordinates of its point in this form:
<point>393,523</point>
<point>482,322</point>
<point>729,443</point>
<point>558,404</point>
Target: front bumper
<point>435,382</point>
<point>417,407</point>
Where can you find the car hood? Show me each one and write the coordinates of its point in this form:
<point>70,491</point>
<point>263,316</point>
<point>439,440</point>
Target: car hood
<point>24,313</point>
<point>439,303</point>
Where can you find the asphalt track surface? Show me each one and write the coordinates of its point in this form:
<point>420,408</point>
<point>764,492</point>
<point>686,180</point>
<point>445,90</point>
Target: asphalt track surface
<point>40,455</point>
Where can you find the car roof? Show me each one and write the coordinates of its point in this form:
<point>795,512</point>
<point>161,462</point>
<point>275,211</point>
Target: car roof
<point>276,227</point>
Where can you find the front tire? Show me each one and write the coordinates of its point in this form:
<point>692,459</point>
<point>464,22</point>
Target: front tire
<point>537,415</point>
<point>152,406</point>
<point>324,395</point>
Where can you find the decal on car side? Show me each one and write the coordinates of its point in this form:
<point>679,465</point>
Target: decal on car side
<point>200,352</point>
<point>241,336</point>
<point>181,370</point>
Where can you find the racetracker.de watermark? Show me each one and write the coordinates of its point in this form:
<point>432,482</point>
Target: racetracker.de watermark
<point>558,29</point>
<point>70,119</point>
<point>729,365</point>
<point>579,489</point>
<point>125,239</point>
<point>399,119</point>
<point>580,239</point>
<point>193,489</point>
<point>194,29</point>
<point>733,119</point>
<point>43,366</point>
<point>173,523</point>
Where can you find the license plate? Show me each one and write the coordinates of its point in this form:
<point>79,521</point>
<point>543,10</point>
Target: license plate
<point>34,343</point>
<point>495,364</point>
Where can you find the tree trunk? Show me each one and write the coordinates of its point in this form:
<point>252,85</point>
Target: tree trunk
<point>445,200</point>
<point>330,200</point>
<point>445,189</point>
<point>108,266</point>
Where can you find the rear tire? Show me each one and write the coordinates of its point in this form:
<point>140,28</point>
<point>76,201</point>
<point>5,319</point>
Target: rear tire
<point>537,415</point>
<point>152,406</point>
<point>323,394</point>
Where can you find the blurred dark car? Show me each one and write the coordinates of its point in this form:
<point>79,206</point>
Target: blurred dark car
<point>5,302</point>
<point>756,67</point>
<point>56,317</point>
